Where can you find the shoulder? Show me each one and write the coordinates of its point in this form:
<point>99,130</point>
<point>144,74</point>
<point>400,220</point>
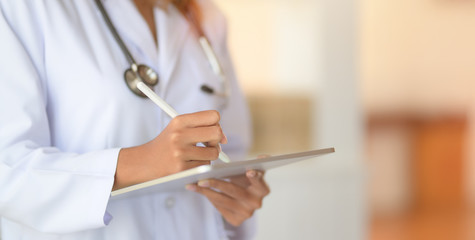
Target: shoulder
<point>31,23</point>
<point>19,13</point>
<point>27,14</point>
<point>20,20</point>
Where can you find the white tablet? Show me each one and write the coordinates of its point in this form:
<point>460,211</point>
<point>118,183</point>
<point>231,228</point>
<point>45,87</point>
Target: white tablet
<point>178,181</point>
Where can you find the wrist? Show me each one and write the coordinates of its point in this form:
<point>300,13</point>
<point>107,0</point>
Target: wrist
<point>127,172</point>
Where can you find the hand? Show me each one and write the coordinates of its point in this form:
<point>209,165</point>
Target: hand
<point>173,150</point>
<point>236,200</point>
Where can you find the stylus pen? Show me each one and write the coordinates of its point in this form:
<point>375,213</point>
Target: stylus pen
<point>170,111</point>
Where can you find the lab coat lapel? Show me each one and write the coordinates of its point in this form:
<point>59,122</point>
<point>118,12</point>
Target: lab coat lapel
<point>172,32</point>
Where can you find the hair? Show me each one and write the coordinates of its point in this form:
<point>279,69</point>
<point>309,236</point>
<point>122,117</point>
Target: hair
<point>181,5</point>
<point>184,6</point>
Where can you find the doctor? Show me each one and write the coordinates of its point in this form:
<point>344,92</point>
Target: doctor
<point>71,130</point>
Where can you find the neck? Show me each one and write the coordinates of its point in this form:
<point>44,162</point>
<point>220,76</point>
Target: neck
<point>145,8</point>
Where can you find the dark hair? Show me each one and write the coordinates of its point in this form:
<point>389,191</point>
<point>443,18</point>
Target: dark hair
<point>186,7</point>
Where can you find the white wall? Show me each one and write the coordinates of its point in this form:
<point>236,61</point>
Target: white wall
<point>339,119</point>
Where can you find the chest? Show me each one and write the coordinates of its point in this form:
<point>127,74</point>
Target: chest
<point>86,91</point>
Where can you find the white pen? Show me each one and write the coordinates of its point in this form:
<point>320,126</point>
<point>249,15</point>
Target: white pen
<point>169,110</point>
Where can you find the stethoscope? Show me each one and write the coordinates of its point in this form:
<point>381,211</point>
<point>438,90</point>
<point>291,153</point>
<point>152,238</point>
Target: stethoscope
<point>142,73</point>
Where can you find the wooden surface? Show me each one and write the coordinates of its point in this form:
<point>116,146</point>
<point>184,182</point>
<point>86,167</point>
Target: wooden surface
<point>437,157</point>
<point>453,225</point>
<point>438,164</point>
<point>438,209</point>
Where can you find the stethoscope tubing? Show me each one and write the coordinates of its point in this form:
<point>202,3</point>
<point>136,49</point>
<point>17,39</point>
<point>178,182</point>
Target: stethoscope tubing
<point>212,59</point>
<point>134,67</point>
<point>115,34</point>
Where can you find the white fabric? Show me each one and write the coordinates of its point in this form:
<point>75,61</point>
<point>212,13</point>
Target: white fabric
<point>65,112</point>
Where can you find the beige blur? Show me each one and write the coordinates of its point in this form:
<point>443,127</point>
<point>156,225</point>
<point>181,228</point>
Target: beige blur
<point>411,86</point>
<point>418,83</point>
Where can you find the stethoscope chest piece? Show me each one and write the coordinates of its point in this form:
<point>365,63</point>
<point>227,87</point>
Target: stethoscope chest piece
<point>140,73</point>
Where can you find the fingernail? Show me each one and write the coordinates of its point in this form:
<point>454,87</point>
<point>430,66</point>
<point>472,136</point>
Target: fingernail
<point>219,148</point>
<point>190,187</point>
<point>203,183</point>
<point>251,174</point>
<point>225,139</point>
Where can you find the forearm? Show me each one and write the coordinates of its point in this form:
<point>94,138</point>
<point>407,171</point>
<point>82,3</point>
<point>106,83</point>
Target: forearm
<point>127,172</point>
<point>134,166</point>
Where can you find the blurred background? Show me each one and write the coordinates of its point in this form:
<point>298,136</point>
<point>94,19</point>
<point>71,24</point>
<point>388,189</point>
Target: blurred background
<point>390,84</point>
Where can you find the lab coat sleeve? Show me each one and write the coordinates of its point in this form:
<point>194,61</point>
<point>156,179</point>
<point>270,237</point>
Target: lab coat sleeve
<point>40,186</point>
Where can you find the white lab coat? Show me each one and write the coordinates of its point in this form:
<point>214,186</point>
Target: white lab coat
<point>65,111</point>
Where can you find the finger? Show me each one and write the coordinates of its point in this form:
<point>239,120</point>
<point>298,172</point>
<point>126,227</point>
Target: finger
<point>220,199</point>
<point>234,217</point>
<point>234,214</point>
<point>228,188</point>
<point>197,119</point>
<point>240,180</point>
<point>258,185</point>
<point>201,153</point>
<point>211,135</point>
<point>195,163</point>
<point>231,217</point>
<point>261,156</point>
<point>225,139</point>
